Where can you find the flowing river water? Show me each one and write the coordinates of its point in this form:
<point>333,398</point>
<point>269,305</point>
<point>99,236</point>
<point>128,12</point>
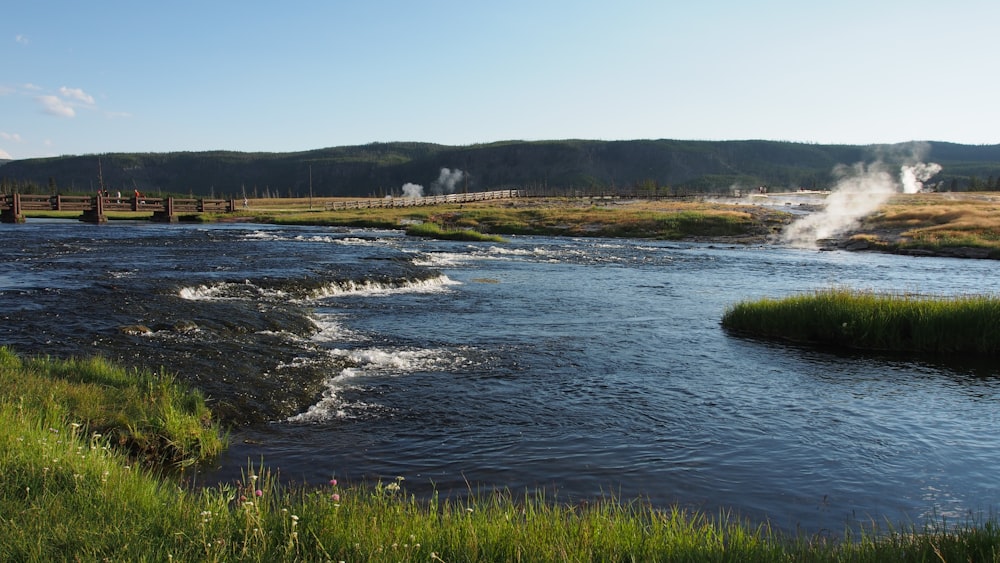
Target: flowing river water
<point>582,367</point>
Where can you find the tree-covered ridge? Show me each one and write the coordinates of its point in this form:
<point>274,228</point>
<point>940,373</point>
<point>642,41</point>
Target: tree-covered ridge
<point>660,167</point>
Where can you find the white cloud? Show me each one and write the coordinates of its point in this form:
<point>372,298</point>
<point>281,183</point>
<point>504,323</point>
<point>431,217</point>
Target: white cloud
<point>21,39</point>
<point>76,94</point>
<point>10,137</point>
<point>4,155</point>
<point>53,105</point>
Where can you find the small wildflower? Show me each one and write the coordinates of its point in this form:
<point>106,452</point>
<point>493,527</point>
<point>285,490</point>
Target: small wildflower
<point>335,497</point>
<point>258,493</point>
<point>333,482</point>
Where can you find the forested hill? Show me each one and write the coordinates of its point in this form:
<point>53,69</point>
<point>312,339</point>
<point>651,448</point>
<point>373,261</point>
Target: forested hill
<point>378,169</point>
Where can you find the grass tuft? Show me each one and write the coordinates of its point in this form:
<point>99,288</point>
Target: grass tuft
<point>148,415</point>
<point>433,230</point>
<point>966,325</point>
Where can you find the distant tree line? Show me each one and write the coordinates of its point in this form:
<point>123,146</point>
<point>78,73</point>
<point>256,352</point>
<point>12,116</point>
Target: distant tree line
<point>653,168</point>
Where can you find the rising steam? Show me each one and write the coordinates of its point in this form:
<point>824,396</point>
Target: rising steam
<point>446,182</point>
<point>413,190</point>
<point>860,190</point>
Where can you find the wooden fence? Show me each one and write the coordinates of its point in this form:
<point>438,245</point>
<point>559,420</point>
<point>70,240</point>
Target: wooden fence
<point>378,203</point>
<point>93,208</point>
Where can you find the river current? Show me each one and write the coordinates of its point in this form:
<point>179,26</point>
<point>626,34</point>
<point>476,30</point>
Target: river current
<point>582,367</point>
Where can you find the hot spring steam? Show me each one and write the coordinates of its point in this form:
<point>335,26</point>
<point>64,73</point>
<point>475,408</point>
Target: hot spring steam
<point>859,191</point>
<point>446,183</point>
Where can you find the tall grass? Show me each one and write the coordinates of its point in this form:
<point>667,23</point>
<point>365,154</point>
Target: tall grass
<point>148,415</point>
<point>433,230</point>
<point>866,320</point>
<point>67,493</point>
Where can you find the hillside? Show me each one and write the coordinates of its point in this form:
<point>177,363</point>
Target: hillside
<point>377,169</point>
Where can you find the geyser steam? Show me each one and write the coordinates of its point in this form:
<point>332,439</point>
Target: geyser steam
<point>859,191</point>
<point>413,190</point>
<point>446,182</point>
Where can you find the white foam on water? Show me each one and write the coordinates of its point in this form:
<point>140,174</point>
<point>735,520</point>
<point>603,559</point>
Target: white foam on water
<point>442,259</point>
<point>329,330</point>
<point>370,362</point>
<point>372,288</point>
<point>228,290</point>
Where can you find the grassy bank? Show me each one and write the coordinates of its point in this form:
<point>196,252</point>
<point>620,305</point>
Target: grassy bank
<point>671,220</point>
<point>433,230</point>
<point>68,492</point>
<point>967,325</point>
<point>936,223</point>
<point>146,415</point>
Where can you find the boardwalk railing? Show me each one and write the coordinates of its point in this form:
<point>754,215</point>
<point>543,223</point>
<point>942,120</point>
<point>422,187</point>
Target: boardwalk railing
<point>373,203</point>
<point>93,208</point>
<point>166,209</point>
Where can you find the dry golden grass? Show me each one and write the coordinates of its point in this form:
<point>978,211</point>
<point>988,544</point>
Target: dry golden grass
<point>561,216</point>
<point>939,219</point>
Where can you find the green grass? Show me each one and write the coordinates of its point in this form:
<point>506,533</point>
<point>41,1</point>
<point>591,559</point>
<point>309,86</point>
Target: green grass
<point>965,325</point>
<point>147,415</point>
<point>433,230</point>
<point>68,493</point>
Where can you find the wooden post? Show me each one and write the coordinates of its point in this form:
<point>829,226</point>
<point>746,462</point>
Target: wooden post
<point>13,213</point>
<point>96,213</point>
<point>167,214</point>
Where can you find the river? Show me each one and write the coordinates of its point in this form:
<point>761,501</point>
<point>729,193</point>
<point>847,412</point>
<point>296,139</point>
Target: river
<point>582,367</point>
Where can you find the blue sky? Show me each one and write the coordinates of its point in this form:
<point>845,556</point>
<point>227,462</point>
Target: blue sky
<point>110,76</point>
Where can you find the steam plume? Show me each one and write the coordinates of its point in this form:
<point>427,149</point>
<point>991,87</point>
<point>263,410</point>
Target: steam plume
<point>447,180</point>
<point>413,190</point>
<point>445,184</point>
<point>914,176</point>
<point>859,191</point>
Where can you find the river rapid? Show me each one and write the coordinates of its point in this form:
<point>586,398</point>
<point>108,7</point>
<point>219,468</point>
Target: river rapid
<point>582,367</point>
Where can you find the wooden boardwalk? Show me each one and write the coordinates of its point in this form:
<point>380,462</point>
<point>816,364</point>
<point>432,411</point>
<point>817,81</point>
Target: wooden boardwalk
<point>94,209</point>
<point>377,203</point>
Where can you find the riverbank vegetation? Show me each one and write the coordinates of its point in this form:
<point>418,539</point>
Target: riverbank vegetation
<point>69,492</point>
<point>147,415</point>
<point>433,230</point>
<point>965,325</point>
<point>657,219</point>
<point>965,225</point>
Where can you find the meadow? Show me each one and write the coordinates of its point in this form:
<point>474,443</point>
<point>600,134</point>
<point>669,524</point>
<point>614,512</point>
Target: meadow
<point>935,222</point>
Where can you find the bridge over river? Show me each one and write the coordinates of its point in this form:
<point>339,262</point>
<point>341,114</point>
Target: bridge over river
<point>94,208</point>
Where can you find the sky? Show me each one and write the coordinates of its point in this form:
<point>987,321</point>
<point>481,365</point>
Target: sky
<point>116,76</point>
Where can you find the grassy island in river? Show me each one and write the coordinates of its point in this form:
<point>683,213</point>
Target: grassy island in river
<point>966,325</point>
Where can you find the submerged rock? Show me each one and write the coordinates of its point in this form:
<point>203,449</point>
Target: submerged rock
<point>184,326</point>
